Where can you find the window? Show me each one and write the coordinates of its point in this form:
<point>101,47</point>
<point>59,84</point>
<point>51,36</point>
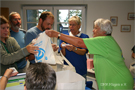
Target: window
<point>31,15</point>
<point>61,14</point>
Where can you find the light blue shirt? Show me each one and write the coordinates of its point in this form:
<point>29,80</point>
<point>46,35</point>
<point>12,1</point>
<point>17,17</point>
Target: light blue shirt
<point>31,34</point>
<point>19,36</point>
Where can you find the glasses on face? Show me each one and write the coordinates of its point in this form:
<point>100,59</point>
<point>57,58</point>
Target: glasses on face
<point>72,25</point>
<point>16,19</point>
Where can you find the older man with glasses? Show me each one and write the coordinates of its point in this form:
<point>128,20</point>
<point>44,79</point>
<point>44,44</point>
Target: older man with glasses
<point>18,34</point>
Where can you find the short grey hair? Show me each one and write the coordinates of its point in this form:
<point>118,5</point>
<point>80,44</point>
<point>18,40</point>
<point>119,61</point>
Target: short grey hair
<point>12,13</point>
<point>40,76</point>
<point>76,19</point>
<point>104,24</point>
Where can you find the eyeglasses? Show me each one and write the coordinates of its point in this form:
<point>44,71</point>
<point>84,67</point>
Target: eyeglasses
<point>72,25</point>
<point>16,19</point>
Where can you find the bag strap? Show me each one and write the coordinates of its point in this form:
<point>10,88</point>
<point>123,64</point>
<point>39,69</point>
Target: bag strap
<point>58,58</point>
<point>66,59</point>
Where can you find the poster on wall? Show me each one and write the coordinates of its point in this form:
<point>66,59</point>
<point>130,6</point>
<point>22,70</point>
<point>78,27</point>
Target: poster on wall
<point>125,28</point>
<point>131,16</point>
<point>114,20</point>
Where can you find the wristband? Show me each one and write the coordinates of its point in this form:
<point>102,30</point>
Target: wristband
<point>5,76</point>
<point>59,35</point>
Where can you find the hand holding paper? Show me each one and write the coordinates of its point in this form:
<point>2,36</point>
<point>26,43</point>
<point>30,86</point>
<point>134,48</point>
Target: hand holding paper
<point>14,71</point>
<point>11,72</point>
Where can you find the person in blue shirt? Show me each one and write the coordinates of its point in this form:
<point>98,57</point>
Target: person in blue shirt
<point>46,21</point>
<point>76,55</point>
<point>18,34</point>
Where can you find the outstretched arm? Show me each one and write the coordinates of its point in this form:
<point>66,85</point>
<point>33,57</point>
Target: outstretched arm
<point>4,79</point>
<point>78,42</point>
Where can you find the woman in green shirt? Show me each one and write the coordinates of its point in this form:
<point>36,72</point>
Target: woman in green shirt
<point>110,69</point>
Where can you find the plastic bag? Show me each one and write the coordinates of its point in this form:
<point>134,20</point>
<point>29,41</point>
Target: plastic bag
<point>45,53</point>
<point>59,66</point>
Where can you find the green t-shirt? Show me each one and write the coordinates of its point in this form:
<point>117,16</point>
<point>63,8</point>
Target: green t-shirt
<point>110,69</point>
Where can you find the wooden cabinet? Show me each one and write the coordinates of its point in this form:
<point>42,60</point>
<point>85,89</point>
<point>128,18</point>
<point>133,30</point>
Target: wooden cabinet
<point>4,11</point>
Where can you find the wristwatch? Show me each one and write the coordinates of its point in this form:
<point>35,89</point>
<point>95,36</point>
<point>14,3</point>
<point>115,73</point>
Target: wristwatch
<point>58,35</point>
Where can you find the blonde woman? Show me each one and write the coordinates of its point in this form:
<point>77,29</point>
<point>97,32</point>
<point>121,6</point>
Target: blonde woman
<point>76,55</point>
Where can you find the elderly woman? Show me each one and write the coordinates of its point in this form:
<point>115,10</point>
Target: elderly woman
<point>10,51</point>
<point>110,69</point>
<point>76,55</point>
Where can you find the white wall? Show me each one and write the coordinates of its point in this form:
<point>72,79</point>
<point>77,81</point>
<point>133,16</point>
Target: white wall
<point>96,9</point>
